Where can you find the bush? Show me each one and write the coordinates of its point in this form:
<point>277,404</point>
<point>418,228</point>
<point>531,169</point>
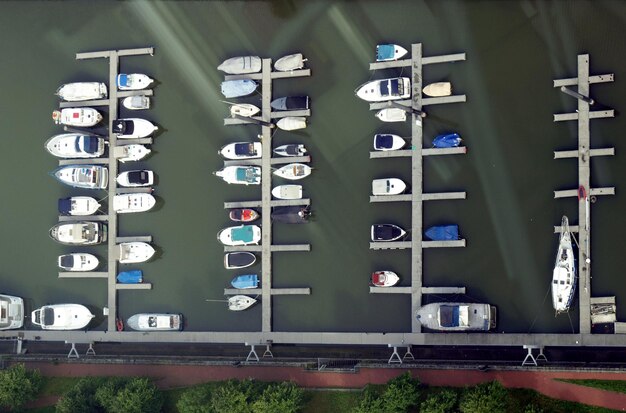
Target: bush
<point>81,398</point>
<point>234,397</point>
<point>401,393</point>
<point>195,400</point>
<point>18,386</point>
<point>486,397</point>
<point>138,396</point>
<point>370,402</point>
<point>280,398</point>
<point>443,401</point>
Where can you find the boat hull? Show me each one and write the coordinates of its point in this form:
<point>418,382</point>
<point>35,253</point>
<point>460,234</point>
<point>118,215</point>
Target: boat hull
<point>240,235</point>
<point>156,322</point>
<point>130,203</point>
<point>292,149</point>
<point>133,81</point>
<point>386,233</point>
<point>242,150</point>
<point>438,89</point>
<point>243,215</point>
<point>238,88</point>
<point>83,176</point>
<point>564,273</point>
<point>79,233</point>
<point>388,142</point>
<point>293,171</point>
<point>290,103</point>
<point>391,115</point>
<point>388,186</point>
<point>62,317</point>
<point>384,279</point>
<point>79,91</point>
<point>137,178</point>
<point>78,206</point>
<point>244,282</point>
<point>385,89</point>
<point>139,102</point>
<point>236,260</point>
<point>240,302</point>
<point>80,117</point>
<point>290,62</point>
<point>12,310</point>
<point>75,145</point>
<point>241,175</point>
<point>130,277</point>
<point>135,252</point>
<point>133,128</point>
<point>291,123</point>
<point>129,153</point>
<point>389,52</point>
<point>287,192</point>
<point>78,262</point>
<point>241,65</point>
<point>457,317</point>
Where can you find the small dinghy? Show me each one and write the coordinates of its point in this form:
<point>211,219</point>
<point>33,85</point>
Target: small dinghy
<point>290,62</point>
<point>443,233</point>
<point>242,175</point>
<point>388,186</point>
<point>75,145</point>
<point>142,177</point>
<point>133,81</point>
<point>448,140</point>
<point>391,115</point>
<point>438,89</point>
<point>133,152</point>
<point>457,316</point>
<point>78,205</point>
<point>384,279</point>
<point>139,102</point>
<point>12,310</point>
<point>240,302</point>
<point>245,281</point>
<point>243,109</point>
<point>241,65</point>
<point>135,202</point>
<point>292,214</point>
<point>135,252</point>
<point>292,149</point>
<point>75,92</point>
<point>83,176</point>
<point>290,103</point>
<point>240,235</point>
<point>79,233</point>
<point>236,260</point>
<point>386,232</point>
<point>130,277</point>
<point>292,123</point>
<point>243,215</point>
<point>293,171</point>
<point>156,322</point>
<point>238,88</point>
<point>81,117</point>
<point>242,150</point>
<point>78,262</point>
<point>385,89</point>
<point>133,128</point>
<point>287,192</point>
<point>389,52</point>
<point>388,142</point>
<point>62,317</point>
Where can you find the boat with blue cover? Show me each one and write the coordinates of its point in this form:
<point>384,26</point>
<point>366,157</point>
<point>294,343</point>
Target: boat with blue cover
<point>443,232</point>
<point>78,205</point>
<point>389,52</point>
<point>457,317</point>
<point>240,235</point>
<point>242,150</point>
<point>133,81</point>
<point>241,175</point>
<point>238,88</point>
<point>239,259</point>
<point>447,140</point>
<point>245,281</point>
<point>386,232</point>
<point>130,277</point>
<point>75,145</point>
<point>290,103</point>
<point>388,142</point>
<point>385,89</point>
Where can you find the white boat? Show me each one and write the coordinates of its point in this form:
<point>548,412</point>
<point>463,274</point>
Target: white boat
<point>243,109</point>
<point>78,205</point>
<point>83,176</point>
<point>384,279</point>
<point>11,312</point>
<point>241,175</point>
<point>74,92</point>
<point>389,52</point>
<point>388,186</point>
<point>241,65</point>
<point>242,150</point>
<point>293,171</point>
<point>134,202</point>
<point>79,233</point>
<point>391,115</point>
<point>240,235</point>
<point>133,128</point>
<point>287,192</point>
<point>388,142</point>
<point>133,152</point>
<point>156,322</point>
<point>81,117</point>
<point>75,145</point>
<point>564,273</point>
<point>292,123</point>
<point>133,81</point>
<point>134,252</point>
<point>385,89</point>
<point>78,261</point>
<point>438,89</point>
<point>137,178</point>
<point>139,102</point>
<point>292,149</point>
<point>240,302</point>
<point>290,62</point>
<point>386,232</point>
<point>62,317</point>
<point>457,316</point>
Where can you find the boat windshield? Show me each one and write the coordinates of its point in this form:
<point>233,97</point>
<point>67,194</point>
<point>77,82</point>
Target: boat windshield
<point>449,316</point>
<point>67,261</point>
<point>47,319</point>
<point>123,80</point>
<point>384,88</point>
<point>384,141</point>
<point>123,127</point>
<point>138,177</point>
<point>246,149</point>
<point>396,87</point>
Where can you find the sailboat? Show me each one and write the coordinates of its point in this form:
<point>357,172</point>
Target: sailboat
<point>564,273</point>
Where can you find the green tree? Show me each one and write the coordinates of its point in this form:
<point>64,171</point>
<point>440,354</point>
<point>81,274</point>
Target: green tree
<point>486,397</point>
<point>370,402</point>
<point>233,397</point>
<point>106,393</point>
<point>18,386</point>
<point>280,398</point>
<point>82,397</point>
<point>443,401</point>
<point>139,395</point>
<point>195,400</point>
<point>401,393</point>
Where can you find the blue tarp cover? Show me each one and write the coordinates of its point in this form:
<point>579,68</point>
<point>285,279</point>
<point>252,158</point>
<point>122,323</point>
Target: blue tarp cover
<point>443,233</point>
<point>65,206</point>
<point>384,141</point>
<point>130,277</point>
<point>246,149</point>
<point>122,80</point>
<point>245,281</point>
<point>385,51</point>
<point>244,234</point>
<point>449,315</point>
<point>449,140</point>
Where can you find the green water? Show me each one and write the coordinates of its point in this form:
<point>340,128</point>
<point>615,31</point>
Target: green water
<point>514,51</point>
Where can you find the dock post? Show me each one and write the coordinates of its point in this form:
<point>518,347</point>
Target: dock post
<point>73,354</point>
<point>252,353</point>
<point>395,357</point>
<point>577,95</point>
<point>529,360</point>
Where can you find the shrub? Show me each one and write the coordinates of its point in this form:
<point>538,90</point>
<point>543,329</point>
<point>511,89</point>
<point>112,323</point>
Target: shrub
<point>280,398</point>
<point>81,398</point>
<point>18,386</point>
<point>139,395</point>
<point>370,402</point>
<point>233,397</point>
<point>486,397</point>
<point>401,393</point>
<point>443,401</point>
<point>195,400</point>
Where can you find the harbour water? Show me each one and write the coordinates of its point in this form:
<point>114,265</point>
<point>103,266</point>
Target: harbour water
<point>514,50</point>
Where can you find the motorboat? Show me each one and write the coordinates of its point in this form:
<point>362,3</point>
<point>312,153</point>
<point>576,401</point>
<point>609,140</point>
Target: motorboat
<point>242,150</point>
<point>240,302</point>
<point>11,312</point>
<point>385,89</point>
<point>75,145</point>
<point>62,317</point>
<point>238,88</point>
<point>138,102</point>
<point>389,52</point>
<point>135,252</point>
<point>133,81</point>
<point>130,277</point>
<point>391,115</point>
<point>243,109</point>
<point>384,279</point>
<point>75,92</point>
<point>241,65</point>
<point>78,205</point>
<point>292,123</point>
<point>134,202</point>
<point>438,89</point>
<point>388,142</point>
<point>290,103</point>
<point>133,128</point>
<point>79,233</point>
<point>80,117</point>
<point>457,316</point>
<point>293,171</point>
<point>447,140</point>
<point>240,235</point>
<point>292,149</point>
<point>132,152</point>
<point>239,259</point>
<point>78,261</point>
<point>443,232</point>
<point>291,214</point>
<point>83,176</point>
<point>564,273</point>
<point>136,178</point>
<point>156,322</point>
<point>388,186</point>
<point>386,232</point>
<point>242,175</point>
<point>246,281</point>
<point>287,192</point>
<point>290,62</point>
<point>243,215</point>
